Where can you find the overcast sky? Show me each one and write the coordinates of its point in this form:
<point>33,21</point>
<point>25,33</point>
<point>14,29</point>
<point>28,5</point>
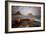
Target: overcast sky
<point>27,9</point>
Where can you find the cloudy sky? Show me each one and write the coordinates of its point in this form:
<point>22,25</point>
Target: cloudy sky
<point>26,10</point>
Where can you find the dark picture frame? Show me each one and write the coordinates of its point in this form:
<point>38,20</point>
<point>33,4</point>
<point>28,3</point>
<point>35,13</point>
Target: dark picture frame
<point>6,16</point>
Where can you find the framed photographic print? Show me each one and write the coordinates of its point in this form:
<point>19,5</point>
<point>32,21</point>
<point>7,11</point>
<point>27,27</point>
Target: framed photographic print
<point>24,16</point>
